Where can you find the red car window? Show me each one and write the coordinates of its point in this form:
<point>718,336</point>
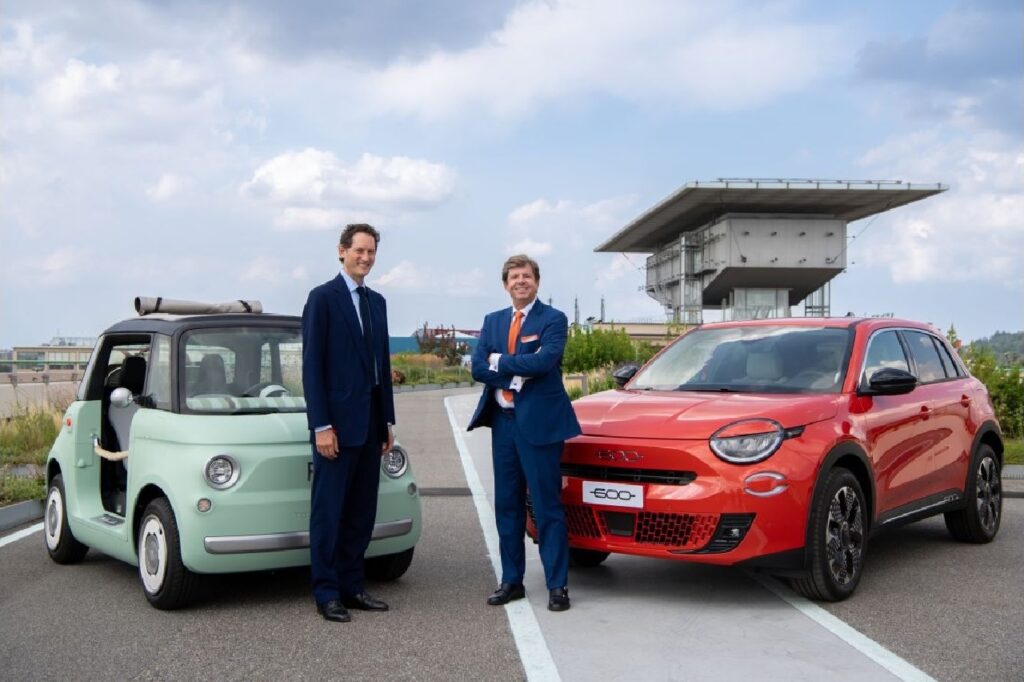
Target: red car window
<point>926,357</point>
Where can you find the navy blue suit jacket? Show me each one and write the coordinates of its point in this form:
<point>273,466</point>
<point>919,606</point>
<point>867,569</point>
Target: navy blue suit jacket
<point>337,370</point>
<point>543,411</point>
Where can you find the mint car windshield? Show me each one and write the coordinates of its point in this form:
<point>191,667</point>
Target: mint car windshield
<point>751,359</point>
<point>242,370</point>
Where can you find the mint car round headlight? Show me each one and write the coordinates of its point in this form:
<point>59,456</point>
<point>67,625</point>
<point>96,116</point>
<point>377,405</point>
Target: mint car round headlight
<point>395,463</point>
<point>221,471</point>
<point>747,441</point>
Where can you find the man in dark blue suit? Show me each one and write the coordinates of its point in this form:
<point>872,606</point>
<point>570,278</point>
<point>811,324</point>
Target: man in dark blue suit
<point>346,377</point>
<point>519,359</point>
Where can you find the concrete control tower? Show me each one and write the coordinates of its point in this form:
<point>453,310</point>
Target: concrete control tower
<point>753,247</point>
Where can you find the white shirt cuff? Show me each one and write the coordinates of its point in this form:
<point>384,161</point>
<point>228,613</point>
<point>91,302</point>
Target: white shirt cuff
<point>492,361</point>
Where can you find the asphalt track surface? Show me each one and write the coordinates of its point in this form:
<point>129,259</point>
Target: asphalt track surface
<point>945,610</point>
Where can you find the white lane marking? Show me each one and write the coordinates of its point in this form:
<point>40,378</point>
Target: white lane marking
<point>23,533</point>
<point>876,652</point>
<point>533,649</point>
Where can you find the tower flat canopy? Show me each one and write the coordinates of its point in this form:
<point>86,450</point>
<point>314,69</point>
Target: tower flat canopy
<point>698,203</point>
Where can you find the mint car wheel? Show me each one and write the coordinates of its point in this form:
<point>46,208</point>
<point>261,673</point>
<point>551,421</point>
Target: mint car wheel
<point>167,583</point>
<point>60,543</point>
<point>389,566</point>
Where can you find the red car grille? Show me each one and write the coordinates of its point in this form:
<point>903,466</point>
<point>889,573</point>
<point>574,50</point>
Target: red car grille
<point>581,521</point>
<point>672,531</point>
<point>675,530</point>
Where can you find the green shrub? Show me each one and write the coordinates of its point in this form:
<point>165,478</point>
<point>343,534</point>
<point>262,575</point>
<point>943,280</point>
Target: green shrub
<point>26,437</point>
<point>1013,452</point>
<point>587,350</point>
<point>14,489</point>
<point>1005,386</point>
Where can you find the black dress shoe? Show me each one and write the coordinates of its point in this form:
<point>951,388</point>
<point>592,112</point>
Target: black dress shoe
<point>505,593</point>
<point>364,602</point>
<point>333,611</point>
<point>558,600</point>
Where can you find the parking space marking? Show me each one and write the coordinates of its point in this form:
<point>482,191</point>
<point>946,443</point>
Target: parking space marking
<point>23,533</point>
<point>533,648</point>
<point>867,646</point>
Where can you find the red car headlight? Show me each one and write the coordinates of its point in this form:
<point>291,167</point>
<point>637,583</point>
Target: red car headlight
<point>748,441</point>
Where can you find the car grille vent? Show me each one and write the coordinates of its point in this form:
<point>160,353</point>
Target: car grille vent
<point>628,474</point>
<point>674,530</point>
<point>732,528</point>
<point>581,521</point>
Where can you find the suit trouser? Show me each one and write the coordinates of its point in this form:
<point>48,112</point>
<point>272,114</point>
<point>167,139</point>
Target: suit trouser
<point>343,509</point>
<point>518,464</point>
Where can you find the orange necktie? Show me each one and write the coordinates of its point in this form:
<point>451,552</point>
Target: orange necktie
<point>513,334</point>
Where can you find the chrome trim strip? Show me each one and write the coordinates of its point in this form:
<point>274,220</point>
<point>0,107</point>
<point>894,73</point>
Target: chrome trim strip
<point>946,500</point>
<point>391,529</point>
<point>280,542</point>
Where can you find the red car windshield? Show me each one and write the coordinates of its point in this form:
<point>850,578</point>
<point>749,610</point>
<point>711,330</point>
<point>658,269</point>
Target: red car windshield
<point>752,359</point>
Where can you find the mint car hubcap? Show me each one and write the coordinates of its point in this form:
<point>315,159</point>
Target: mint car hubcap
<point>54,518</point>
<point>989,494</point>
<point>844,535</point>
<point>152,555</point>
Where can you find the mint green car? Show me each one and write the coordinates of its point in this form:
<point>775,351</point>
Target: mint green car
<point>187,452</point>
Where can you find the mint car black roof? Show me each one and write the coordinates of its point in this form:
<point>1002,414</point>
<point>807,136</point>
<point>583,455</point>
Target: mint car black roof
<point>159,323</point>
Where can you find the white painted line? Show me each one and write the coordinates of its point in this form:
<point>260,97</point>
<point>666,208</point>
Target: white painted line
<point>867,646</point>
<point>23,533</point>
<point>533,649</point>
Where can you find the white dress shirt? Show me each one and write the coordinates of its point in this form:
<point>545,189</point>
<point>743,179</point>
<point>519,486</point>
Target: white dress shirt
<point>493,359</point>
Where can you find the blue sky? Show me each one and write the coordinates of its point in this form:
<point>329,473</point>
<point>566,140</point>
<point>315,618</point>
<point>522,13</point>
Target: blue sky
<point>212,151</point>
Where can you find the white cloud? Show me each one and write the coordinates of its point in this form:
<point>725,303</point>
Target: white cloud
<point>610,273</point>
<point>316,176</point>
<point>80,80</point>
<point>598,214</point>
<point>973,232</point>
<point>721,56</point>
<point>409,277</point>
<point>166,187</point>
<point>530,248</point>
<point>270,270</point>
<point>57,268</point>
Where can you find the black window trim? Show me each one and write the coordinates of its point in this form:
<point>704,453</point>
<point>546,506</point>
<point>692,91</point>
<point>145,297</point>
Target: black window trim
<point>913,359</point>
<point>863,381</point>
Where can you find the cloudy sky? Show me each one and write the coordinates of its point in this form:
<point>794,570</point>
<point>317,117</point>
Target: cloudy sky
<point>211,151</point>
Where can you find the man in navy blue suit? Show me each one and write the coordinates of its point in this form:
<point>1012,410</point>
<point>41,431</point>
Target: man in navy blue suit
<point>519,359</point>
<point>346,377</point>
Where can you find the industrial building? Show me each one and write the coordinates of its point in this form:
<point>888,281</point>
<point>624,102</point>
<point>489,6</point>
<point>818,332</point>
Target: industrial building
<point>754,248</point>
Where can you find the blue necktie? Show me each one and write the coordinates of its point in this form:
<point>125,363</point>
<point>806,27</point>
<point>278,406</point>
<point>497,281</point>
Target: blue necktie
<point>364,315</point>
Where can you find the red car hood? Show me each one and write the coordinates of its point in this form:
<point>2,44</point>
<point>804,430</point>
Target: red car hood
<point>681,415</point>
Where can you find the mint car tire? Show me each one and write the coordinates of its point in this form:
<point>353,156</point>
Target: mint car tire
<point>167,583</point>
<point>838,539</point>
<point>61,544</point>
<point>586,558</point>
<point>978,522</point>
<point>389,566</point>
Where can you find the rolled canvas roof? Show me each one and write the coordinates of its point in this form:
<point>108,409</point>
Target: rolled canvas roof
<point>144,305</point>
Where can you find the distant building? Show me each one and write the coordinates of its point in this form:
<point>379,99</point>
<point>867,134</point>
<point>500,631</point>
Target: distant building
<point>753,248</point>
<point>62,352</point>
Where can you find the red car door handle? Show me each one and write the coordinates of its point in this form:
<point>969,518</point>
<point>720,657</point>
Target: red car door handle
<point>925,411</point>
<point>965,401</point>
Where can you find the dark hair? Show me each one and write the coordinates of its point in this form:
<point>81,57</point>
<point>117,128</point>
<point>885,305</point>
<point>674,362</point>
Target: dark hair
<point>350,232</point>
<point>520,261</point>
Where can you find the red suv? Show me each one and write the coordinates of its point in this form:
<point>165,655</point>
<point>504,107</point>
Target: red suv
<point>783,445</point>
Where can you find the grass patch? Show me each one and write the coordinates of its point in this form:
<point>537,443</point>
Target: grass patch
<point>423,368</point>
<point>26,437</point>
<point>14,489</point>
<point>1013,451</point>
